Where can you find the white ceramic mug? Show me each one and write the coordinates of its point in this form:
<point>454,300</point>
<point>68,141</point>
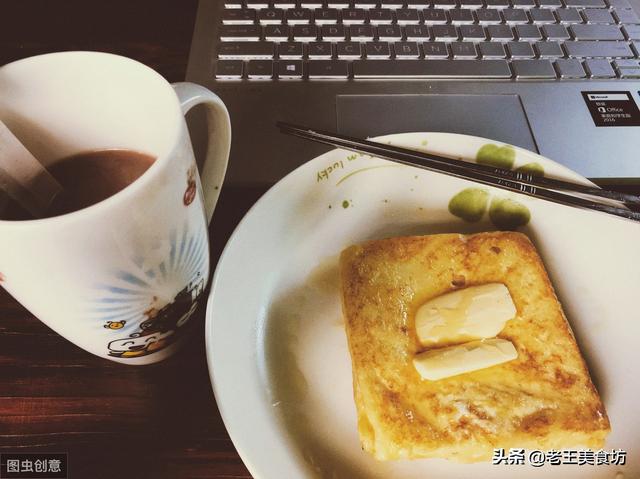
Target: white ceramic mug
<point>120,278</point>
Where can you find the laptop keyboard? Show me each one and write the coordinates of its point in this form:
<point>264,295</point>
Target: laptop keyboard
<point>431,39</point>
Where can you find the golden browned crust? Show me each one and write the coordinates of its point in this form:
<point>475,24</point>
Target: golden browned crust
<point>544,399</point>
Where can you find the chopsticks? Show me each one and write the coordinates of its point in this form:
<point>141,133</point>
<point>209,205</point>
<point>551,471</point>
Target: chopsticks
<point>516,181</point>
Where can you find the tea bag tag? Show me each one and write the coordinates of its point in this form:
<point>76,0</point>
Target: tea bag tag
<point>23,177</point>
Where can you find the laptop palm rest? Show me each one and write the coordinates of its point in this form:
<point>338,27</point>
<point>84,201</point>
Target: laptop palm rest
<point>497,117</point>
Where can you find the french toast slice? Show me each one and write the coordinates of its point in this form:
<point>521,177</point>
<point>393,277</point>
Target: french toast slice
<point>544,399</point>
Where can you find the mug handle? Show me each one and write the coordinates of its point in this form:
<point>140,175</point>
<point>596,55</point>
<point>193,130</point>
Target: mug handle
<point>219,142</point>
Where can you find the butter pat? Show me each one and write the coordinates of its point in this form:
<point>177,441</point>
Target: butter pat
<point>464,358</point>
<point>475,312</point>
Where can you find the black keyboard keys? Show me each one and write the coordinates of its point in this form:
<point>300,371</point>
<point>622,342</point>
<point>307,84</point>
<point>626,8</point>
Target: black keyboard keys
<point>349,50</point>
<point>246,50</point>
<point>238,16</point>
<point>229,69</point>
<point>290,69</point>
<point>329,69</point>
<point>378,50</point>
<point>290,50</point>
<point>260,70</point>
<point>320,50</point>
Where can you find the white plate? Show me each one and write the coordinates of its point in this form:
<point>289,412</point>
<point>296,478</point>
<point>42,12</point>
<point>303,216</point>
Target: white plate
<point>276,344</point>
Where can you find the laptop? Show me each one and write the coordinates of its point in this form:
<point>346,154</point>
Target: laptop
<point>559,77</point>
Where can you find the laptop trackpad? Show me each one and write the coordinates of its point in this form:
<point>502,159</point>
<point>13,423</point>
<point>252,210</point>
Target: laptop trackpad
<point>497,117</point>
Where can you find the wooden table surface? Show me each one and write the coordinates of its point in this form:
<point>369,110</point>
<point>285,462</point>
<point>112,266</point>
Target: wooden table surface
<point>113,420</point>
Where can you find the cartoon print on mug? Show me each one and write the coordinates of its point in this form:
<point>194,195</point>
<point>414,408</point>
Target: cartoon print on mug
<point>115,324</point>
<point>151,302</point>
<point>190,192</point>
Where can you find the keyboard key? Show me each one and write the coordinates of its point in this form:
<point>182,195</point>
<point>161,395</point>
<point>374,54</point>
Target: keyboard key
<point>284,3</point>
<point>434,16</point>
<point>435,50</point>
<point>446,4</point>
<point>549,50</point>
<point>239,32</point>
<point>626,63</point>
<point>598,49</point>
<point>406,50</point>
<point>599,68</point>
<point>557,32</point>
<point>619,3</point>
<point>420,4</point>
<point>515,15</point>
<point>585,3</point>
<point>463,50</point>
<point>324,16</point>
<point>338,4</point>
<point>407,16</point>
<point>270,16</point>
<point>461,16</point>
<point>597,15</point>
<point>500,32</point>
<point>523,3</point>
<point>351,16</point>
<point>432,69</point>
<point>238,16</point>
<point>629,73</point>
<point>290,69</point>
<point>329,69</point>
<point>568,15</point>
<point>276,33</point>
<point>444,32</point>
<point>378,50</point>
<point>361,33</point>
<point>246,50</point>
<point>497,3</point>
<point>319,51</point>
<point>488,15</point>
<point>257,4</point>
<point>533,69</point>
<point>380,16</point>
<point>366,4</point>
<point>491,50</point>
<point>305,33</point>
<point>472,32</point>
<point>229,69</point>
<point>333,32</point>
<point>233,4</point>
<point>471,4</point>
<point>542,15</point>
<point>260,70</point>
<point>632,32</point>
<point>416,32</point>
<point>349,50</point>
<point>299,16</point>
<point>393,4</point>
<point>528,32</point>
<point>596,32</point>
<point>626,16</point>
<point>627,68</point>
<point>570,68</point>
<point>389,33</point>
<point>520,50</point>
<point>549,3</point>
<point>290,50</point>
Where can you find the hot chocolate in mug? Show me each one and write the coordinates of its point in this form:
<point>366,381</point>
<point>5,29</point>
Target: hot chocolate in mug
<point>120,278</point>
